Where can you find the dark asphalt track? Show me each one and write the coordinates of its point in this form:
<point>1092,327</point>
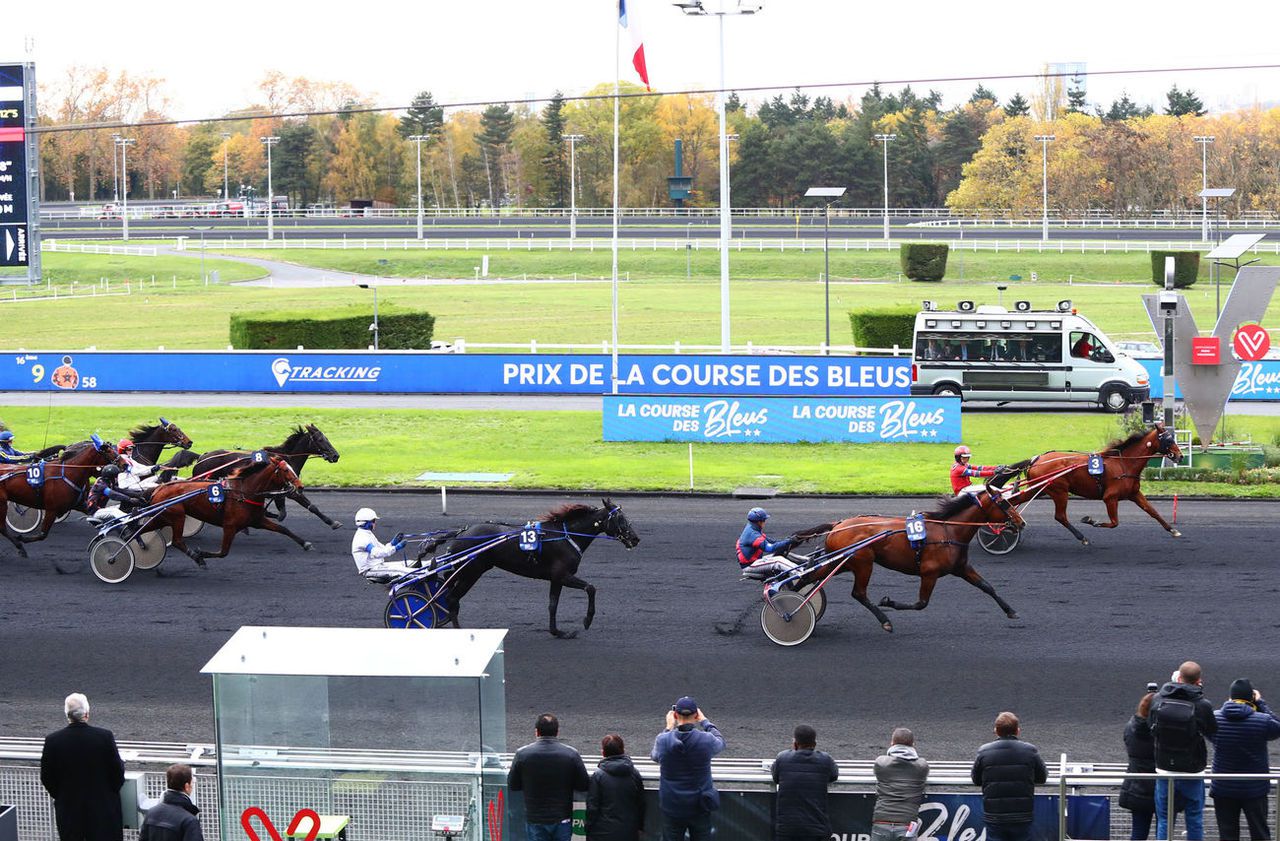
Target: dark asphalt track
<point>1096,624</point>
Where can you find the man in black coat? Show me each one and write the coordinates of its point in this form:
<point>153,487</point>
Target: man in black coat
<point>1181,720</point>
<point>548,772</point>
<point>81,769</point>
<point>802,775</point>
<point>615,799</point>
<point>1008,770</point>
<point>174,817</point>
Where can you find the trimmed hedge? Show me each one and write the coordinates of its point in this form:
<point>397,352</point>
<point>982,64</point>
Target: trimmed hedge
<point>398,329</point>
<point>1186,267</point>
<point>883,327</point>
<point>924,260</point>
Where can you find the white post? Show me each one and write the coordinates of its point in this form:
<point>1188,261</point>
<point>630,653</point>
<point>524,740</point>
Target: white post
<point>617,84</point>
<point>270,141</point>
<point>1045,140</point>
<point>725,206</point>
<point>573,185</point>
<point>226,188</point>
<point>1204,141</point>
<point>124,143</point>
<point>885,138</point>
<point>417,139</point>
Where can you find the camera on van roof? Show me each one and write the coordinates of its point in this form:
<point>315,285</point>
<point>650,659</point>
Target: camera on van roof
<point>929,306</point>
<point>965,306</point>
<point>1064,306</point>
<point>1022,306</point>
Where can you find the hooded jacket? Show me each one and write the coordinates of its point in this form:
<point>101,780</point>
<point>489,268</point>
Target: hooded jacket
<point>615,801</point>
<point>1008,770</point>
<point>1139,795</point>
<point>172,819</point>
<point>802,777</point>
<point>900,780</point>
<point>1179,751</point>
<point>685,789</point>
<point>1240,747</point>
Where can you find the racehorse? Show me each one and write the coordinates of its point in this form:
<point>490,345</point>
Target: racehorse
<point>150,441</point>
<point>1123,461</point>
<point>566,533</point>
<point>243,504</point>
<point>948,531</point>
<point>302,443</point>
<point>63,487</point>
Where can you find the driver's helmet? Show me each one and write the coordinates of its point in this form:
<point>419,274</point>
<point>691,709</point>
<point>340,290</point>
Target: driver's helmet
<point>125,445</point>
<point>365,517</point>
<point>962,452</point>
<point>6,437</point>
<point>110,473</point>
<point>757,515</point>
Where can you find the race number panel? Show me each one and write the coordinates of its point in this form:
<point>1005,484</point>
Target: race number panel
<point>915,528</point>
<point>35,475</point>
<point>1095,465</point>
<point>217,493</point>
<point>531,537</point>
<point>259,457</point>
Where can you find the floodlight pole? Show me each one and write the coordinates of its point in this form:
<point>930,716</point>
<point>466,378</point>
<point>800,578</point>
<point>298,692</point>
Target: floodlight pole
<point>418,139</point>
<point>374,326</point>
<point>573,185</point>
<point>226,187</point>
<point>124,143</point>
<point>885,138</point>
<point>1204,141</point>
<point>115,169</point>
<point>271,200</point>
<point>1045,140</point>
<point>1169,314</point>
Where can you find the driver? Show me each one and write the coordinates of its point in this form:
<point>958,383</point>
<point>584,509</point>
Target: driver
<point>9,455</point>
<point>370,554</point>
<point>757,553</point>
<point>106,491</point>
<point>138,476</point>
<point>1083,348</point>
<point>962,470</point>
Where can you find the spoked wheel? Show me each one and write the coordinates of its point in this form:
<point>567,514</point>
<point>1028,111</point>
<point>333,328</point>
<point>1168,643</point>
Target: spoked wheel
<point>999,539</point>
<point>793,631</point>
<point>818,602</point>
<point>191,527</point>
<point>410,610</point>
<point>23,520</point>
<point>111,558</point>
<point>150,547</point>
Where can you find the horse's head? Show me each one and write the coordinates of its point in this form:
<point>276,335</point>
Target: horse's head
<point>1166,442</point>
<point>998,508</point>
<point>617,526</point>
<point>319,445</point>
<point>171,434</point>
<point>282,475</point>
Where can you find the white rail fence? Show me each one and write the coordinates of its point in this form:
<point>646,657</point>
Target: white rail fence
<point>64,247</point>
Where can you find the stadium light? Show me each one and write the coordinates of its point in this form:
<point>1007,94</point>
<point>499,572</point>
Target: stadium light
<point>124,143</point>
<point>1044,141</point>
<point>419,139</point>
<point>833,193</point>
<point>885,139</point>
<point>271,200</point>
<point>573,184</point>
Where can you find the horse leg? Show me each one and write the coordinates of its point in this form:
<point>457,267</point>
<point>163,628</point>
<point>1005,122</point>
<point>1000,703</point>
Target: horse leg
<point>1059,497</point>
<point>971,575</point>
<point>455,594</point>
<point>554,605</point>
<point>1140,500</point>
<point>861,577</point>
<point>280,514</point>
<point>1113,514</point>
<point>4,529</point>
<point>176,519</point>
<point>927,582</point>
<point>577,583</point>
<point>302,500</point>
<point>274,525</point>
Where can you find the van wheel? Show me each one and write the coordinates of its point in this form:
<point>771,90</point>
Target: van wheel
<point>1114,399</point>
<point>947,390</point>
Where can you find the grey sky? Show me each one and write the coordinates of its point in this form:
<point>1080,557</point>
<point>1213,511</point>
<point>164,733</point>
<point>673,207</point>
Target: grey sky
<point>213,54</point>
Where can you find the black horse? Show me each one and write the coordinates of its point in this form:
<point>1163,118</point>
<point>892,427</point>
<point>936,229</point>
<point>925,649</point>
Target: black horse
<point>150,441</point>
<point>303,443</point>
<point>566,532</point>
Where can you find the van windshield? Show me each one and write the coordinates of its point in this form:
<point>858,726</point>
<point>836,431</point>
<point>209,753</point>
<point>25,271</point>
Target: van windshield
<point>1088,346</point>
<point>993,347</point>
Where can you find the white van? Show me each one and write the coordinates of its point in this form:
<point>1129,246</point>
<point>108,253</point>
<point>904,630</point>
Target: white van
<point>990,353</point>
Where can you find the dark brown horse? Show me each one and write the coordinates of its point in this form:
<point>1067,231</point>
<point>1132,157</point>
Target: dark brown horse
<point>243,504</point>
<point>948,531</point>
<point>64,486</point>
<point>1123,461</point>
<point>149,443</point>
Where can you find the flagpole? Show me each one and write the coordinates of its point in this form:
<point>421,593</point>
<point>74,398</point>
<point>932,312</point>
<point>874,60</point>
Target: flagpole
<point>617,72</point>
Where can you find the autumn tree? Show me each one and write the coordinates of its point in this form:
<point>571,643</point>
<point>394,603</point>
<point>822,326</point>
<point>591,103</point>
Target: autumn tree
<point>1017,106</point>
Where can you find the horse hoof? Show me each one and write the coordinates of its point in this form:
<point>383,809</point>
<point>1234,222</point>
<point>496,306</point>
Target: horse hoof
<point>200,563</point>
<point>306,546</point>
<point>1084,541</point>
<point>586,623</point>
<point>886,602</point>
<point>1087,520</point>
<point>565,635</point>
<point>888,626</point>
<point>1175,533</point>
<point>1013,614</point>
<point>335,525</point>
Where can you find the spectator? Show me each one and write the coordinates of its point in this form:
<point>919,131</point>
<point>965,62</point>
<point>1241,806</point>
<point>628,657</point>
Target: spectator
<point>615,798</point>
<point>1138,796</point>
<point>802,775</point>
<point>1008,770</point>
<point>81,769</point>
<point>1245,725</point>
<point>1181,718</point>
<point>686,793</point>
<point>548,772</point>
<point>900,779</point>
<point>174,817</point>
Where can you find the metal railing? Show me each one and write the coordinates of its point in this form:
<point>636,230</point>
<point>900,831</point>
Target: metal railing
<point>63,247</point>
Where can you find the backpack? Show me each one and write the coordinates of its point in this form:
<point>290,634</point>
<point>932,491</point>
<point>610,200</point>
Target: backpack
<point>1175,729</point>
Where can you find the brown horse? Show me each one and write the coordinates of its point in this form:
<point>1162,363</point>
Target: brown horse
<point>1122,464</point>
<point>243,505</point>
<point>948,531</point>
<point>65,483</point>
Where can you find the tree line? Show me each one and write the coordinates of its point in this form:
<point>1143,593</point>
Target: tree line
<point>979,155</point>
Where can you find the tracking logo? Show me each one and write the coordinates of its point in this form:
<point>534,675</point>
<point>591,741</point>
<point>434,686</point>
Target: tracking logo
<point>285,373</point>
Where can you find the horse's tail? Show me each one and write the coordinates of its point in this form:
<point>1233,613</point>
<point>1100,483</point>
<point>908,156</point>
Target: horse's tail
<point>802,535</point>
<point>48,452</point>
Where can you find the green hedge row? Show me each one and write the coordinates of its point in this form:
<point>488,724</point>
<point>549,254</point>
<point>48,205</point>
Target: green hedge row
<point>924,260</point>
<point>1186,267</point>
<point>398,329</point>
<point>883,327</point>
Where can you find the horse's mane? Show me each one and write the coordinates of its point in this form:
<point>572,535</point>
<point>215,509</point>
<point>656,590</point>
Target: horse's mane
<point>73,450</point>
<point>249,469</point>
<point>1122,443</point>
<point>299,432</point>
<point>564,512</point>
<point>949,506</point>
<point>142,432</point>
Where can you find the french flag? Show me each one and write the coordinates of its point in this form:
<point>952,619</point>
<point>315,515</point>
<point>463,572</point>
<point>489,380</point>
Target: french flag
<point>629,23</point>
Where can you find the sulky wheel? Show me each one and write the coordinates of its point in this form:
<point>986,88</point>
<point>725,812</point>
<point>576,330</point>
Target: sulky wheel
<point>111,558</point>
<point>149,548</point>
<point>191,527</point>
<point>789,631</point>
<point>819,600</point>
<point>999,539</point>
<point>409,610</point>
<point>23,520</point>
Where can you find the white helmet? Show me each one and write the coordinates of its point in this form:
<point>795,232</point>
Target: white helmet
<point>366,515</point>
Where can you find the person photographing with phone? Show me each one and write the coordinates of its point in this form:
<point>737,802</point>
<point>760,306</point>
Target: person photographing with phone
<point>687,795</point>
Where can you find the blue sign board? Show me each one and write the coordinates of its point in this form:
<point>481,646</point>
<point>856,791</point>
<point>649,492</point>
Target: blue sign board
<point>1256,380</point>
<point>426,373</point>
<point>865,420</point>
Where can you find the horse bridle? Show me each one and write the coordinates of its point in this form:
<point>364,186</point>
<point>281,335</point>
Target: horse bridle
<point>1004,505</point>
<point>615,512</point>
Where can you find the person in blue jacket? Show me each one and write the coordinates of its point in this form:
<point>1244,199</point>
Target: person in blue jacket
<point>687,795</point>
<point>759,554</point>
<point>8,454</point>
<point>1245,725</point>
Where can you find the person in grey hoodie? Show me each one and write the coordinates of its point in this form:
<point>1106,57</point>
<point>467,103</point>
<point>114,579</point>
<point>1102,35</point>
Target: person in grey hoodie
<point>901,774</point>
<point>615,797</point>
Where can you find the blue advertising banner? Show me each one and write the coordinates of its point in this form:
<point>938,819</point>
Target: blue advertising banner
<point>424,373</point>
<point>1256,380</point>
<point>862,420</point>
